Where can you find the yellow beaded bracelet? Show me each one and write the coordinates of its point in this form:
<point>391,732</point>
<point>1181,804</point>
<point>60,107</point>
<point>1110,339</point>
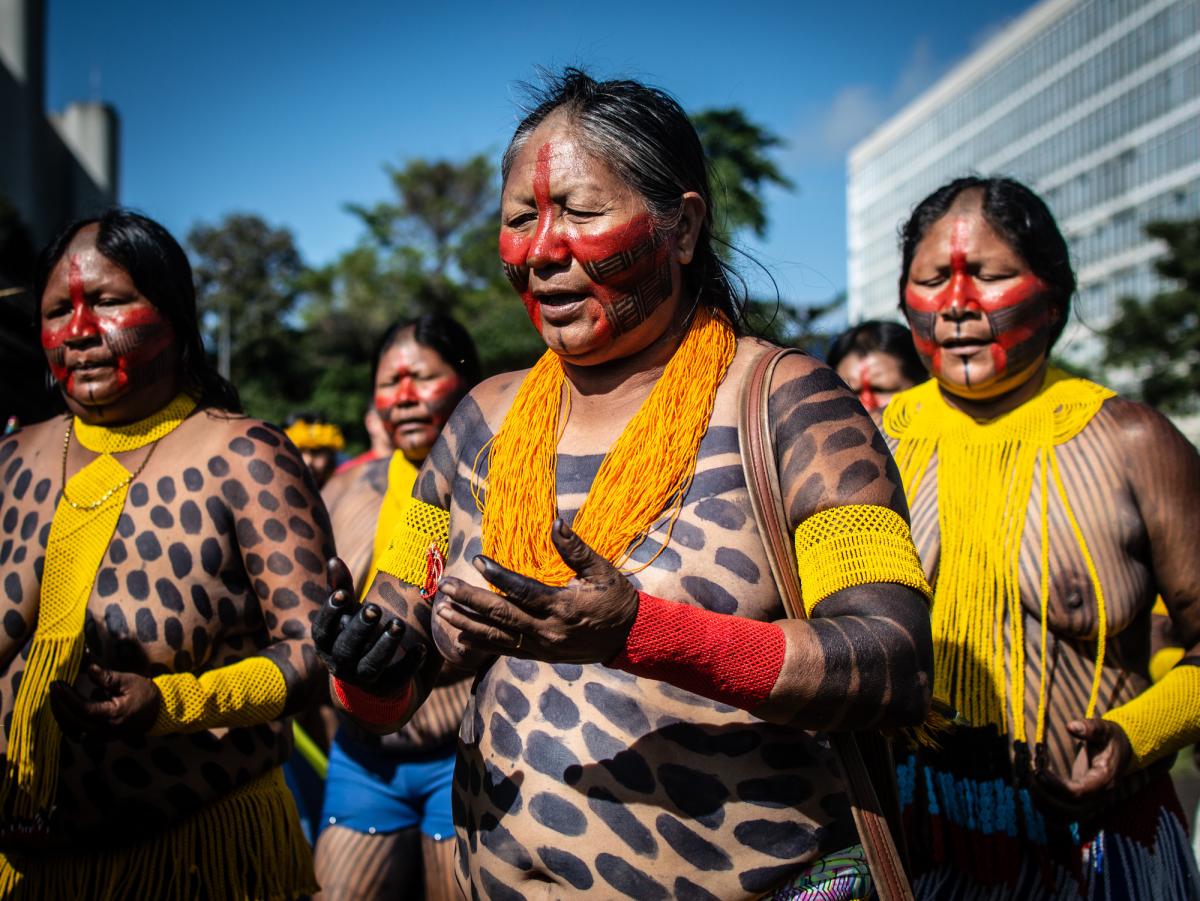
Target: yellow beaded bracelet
<point>1163,718</point>
<point>245,693</point>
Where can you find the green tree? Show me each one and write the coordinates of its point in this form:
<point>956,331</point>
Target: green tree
<point>740,168</point>
<point>1159,338</point>
<point>247,276</point>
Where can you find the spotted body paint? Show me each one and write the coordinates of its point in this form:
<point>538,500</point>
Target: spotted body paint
<point>584,780</point>
<point>218,554</point>
<point>628,264</point>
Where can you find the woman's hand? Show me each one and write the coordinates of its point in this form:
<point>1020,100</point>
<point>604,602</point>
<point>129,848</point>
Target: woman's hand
<point>359,645</point>
<point>128,711</point>
<point>585,621</point>
<point>1104,755</point>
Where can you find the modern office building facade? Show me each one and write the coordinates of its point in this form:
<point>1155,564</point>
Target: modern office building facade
<point>1093,103</point>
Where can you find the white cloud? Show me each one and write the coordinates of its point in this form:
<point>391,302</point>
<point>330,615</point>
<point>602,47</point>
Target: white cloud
<point>854,111</point>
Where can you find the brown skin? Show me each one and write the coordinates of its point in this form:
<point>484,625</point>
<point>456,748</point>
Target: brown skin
<point>885,377</point>
<point>1134,482</point>
<point>212,562</point>
<point>863,659</point>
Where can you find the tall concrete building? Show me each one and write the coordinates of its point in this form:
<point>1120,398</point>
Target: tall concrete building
<point>1093,103</point>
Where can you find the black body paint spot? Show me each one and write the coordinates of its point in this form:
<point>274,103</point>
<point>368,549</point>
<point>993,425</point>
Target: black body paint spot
<point>107,583</point>
<point>763,879</point>
<point>775,791</point>
<point>201,601</point>
<point>669,560</point>
<point>161,517</point>
<point>11,517</point>
<point>227,612</point>
<point>691,846</point>
<point>210,556</point>
<point>567,866</point>
<point>686,890</point>
<point>266,436</point>
<point>494,889</point>
<point>243,447</point>
<point>807,497</point>
<point>551,757</point>
<point>629,880</point>
<point>699,795</point>
<point>247,535</point>
<point>558,709</point>
<point>14,624</point>
<point>22,484</point>
<point>235,494</point>
<point>524,670</point>
<point>219,514</point>
<point>169,595</point>
<point>568,672</point>
<point>189,517</point>
<point>625,764</point>
<point>125,527</point>
<point>173,632</point>
<point>857,476</point>
<point>618,709</point>
<point>843,439</point>
<point>624,824</point>
<point>782,840</point>
<point>138,585</point>
<point>301,528</point>
<point>504,794</point>
<point>181,559</point>
<point>29,525</point>
<point>139,495</point>
<point>285,599</point>
<point>279,564</point>
<point>709,594</point>
<point>515,704</point>
<point>42,490</point>
<point>166,761</point>
<point>274,530</point>
<point>192,479</point>
<point>558,814</point>
<point>261,472</point>
<point>294,498</point>
<point>788,755</point>
<point>505,739</point>
<point>309,560</point>
<point>147,625</point>
<point>117,552</point>
<point>268,501</point>
<point>738,564</point>
<point>148,546</point>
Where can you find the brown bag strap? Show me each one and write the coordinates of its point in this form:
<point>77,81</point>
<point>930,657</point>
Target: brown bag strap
<point>766,498</point>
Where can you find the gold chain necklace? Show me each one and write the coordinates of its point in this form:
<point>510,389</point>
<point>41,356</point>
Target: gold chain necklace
<point>111,491</point>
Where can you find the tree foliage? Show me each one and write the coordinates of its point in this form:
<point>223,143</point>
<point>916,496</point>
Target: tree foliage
<point>1159,337</point>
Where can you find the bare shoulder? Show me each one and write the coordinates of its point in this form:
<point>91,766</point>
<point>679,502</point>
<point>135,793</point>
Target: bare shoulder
<point>1148,440</point>
<point>495,395</point>
<point>34,439</point>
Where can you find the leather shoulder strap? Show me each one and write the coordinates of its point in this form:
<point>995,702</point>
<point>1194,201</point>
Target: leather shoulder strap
<point>757,445</point>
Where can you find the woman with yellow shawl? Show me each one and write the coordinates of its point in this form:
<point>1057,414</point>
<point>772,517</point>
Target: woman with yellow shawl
<point>1048,513</point>
<point>161,558</point>
<point>644,720</point>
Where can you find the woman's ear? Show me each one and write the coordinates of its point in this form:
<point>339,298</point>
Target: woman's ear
<point>691,220</point>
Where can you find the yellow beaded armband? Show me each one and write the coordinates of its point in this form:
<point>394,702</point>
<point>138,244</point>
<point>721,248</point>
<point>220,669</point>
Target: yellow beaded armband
<point>421,525</point>
<point>857,544</point>
<point>245,693</point>
<point>1163,718</point>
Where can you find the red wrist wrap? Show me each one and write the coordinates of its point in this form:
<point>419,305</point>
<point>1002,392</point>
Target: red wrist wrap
<point>369,708</point>
<point>727,658</point>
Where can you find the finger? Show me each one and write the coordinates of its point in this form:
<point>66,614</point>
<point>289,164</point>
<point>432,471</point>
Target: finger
<point>575,552</point>
<point>339,575</point>
<point>479,634</point>
<point>330,621</point>
<point>528,593</point>
<point>357,637</point>
<point>106,680</point>
<point>487,605</point>
<point>380,654</point>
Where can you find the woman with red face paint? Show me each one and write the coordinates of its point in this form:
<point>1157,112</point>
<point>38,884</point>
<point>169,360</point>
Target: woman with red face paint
<point>160,559</point>
<point>1049,514</point>
<point>644,718</point>
<point>876,360</point>
<point>386,823</point>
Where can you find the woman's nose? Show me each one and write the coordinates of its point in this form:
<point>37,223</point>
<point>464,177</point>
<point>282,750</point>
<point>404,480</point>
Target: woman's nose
<point>549,247</point>
<point>83,325</point>
<point>961,298</point>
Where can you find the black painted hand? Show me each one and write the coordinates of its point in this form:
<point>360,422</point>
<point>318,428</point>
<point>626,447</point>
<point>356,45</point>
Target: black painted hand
<point>585,621</point>
<point>360,645</point>
<point>128,710</point>
<point>1104,755</point>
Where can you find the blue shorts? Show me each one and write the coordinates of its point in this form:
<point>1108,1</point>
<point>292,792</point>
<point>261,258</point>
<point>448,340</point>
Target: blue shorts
<point>374,791</point>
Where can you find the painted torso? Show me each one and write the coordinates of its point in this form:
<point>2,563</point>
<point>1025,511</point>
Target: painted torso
<point>218,554</point>
<point>583,779</point>
<point>1094,472</point>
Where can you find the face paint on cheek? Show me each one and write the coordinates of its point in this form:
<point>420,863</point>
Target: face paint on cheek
<point>1020,321</point>
<point>140,340</point>
<point>922,316</point>
<point>441,397</point>
<point>630,266</point>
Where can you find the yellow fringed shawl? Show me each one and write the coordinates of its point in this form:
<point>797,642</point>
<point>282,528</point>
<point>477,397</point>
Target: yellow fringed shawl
<point>79,537</point>
<point>647,470</point>
<point>986,474</point>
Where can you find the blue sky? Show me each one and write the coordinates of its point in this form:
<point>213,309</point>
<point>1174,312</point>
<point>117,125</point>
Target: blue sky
<point>290,110</point>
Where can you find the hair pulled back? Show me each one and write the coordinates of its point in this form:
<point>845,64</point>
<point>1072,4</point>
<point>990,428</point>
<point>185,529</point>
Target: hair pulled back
<point>1020,217</point>
<point>162,274</point>
<point>877,336</point>
<point>444,335</point>
<point>643,135</point>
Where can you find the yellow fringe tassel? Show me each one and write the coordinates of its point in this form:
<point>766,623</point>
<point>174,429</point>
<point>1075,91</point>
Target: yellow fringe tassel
<point>248,844</point>
<point>79,537</point>
<point>647,470</point>
<point>985,479</point>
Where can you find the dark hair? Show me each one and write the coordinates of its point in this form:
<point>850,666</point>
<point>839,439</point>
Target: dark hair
<point>1020,217</point>
<point>441,334</point>
<point>161,271</point>
<point>875,335</point>
<point>648,141</point>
